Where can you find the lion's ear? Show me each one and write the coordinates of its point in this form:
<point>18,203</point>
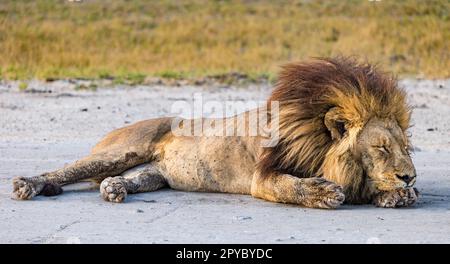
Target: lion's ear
<point>335,123</point>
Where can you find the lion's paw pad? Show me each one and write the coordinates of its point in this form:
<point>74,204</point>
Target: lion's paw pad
<point>23,189</point>
<point>113,189</point>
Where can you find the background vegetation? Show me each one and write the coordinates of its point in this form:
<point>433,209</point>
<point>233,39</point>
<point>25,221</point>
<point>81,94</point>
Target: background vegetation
<point>187,39</point>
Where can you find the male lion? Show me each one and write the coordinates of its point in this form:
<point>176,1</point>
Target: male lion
<point>342,136</point>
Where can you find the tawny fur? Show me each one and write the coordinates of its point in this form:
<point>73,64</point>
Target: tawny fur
<point>342,128</point>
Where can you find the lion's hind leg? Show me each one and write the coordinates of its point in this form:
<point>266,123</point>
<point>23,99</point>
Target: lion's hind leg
<point>143,178</point>
<point>99,165</point>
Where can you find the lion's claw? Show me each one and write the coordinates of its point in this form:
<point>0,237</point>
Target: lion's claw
<point>327,194</point>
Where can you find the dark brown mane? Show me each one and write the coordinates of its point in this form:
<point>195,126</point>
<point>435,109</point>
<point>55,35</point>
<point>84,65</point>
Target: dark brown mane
<point>306,91</point>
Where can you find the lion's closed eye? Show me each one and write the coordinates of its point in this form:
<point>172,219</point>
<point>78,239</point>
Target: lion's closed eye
<point>382,149</point>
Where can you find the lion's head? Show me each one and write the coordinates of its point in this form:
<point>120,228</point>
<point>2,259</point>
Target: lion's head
<point>344,121</point>
<point>383,150</point>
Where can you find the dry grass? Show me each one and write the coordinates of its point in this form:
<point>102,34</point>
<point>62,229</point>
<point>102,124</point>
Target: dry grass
<point>58,39</point>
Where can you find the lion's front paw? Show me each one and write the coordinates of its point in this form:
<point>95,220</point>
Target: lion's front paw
<point>23,189</point>
<point>113,189</point>
<point>325,194</point>
<point>398,198</point>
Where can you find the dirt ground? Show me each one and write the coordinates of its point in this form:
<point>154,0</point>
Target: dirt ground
<point>51,124</point>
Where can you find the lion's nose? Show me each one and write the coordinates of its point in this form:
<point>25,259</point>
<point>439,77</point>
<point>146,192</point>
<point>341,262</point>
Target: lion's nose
<point>406,178</point>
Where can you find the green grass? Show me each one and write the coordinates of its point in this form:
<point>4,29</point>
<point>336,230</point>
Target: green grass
<point>129,40</point>
<point>23,86</point>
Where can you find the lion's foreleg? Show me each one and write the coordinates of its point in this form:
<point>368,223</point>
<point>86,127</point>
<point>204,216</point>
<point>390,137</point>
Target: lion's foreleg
<point>144,178</point>
<point>99,165</point>
<point>397,198</point>
<point>309,192</point>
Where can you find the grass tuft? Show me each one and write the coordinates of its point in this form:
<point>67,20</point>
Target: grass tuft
<point>23,86</point>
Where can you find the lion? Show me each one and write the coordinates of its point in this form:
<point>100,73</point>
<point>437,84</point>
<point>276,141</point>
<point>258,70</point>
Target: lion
<point>342,137</point>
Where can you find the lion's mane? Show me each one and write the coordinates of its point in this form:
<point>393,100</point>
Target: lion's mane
<point>306,92</point>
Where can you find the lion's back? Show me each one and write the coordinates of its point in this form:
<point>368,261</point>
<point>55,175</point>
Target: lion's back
<point>141,135</point>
